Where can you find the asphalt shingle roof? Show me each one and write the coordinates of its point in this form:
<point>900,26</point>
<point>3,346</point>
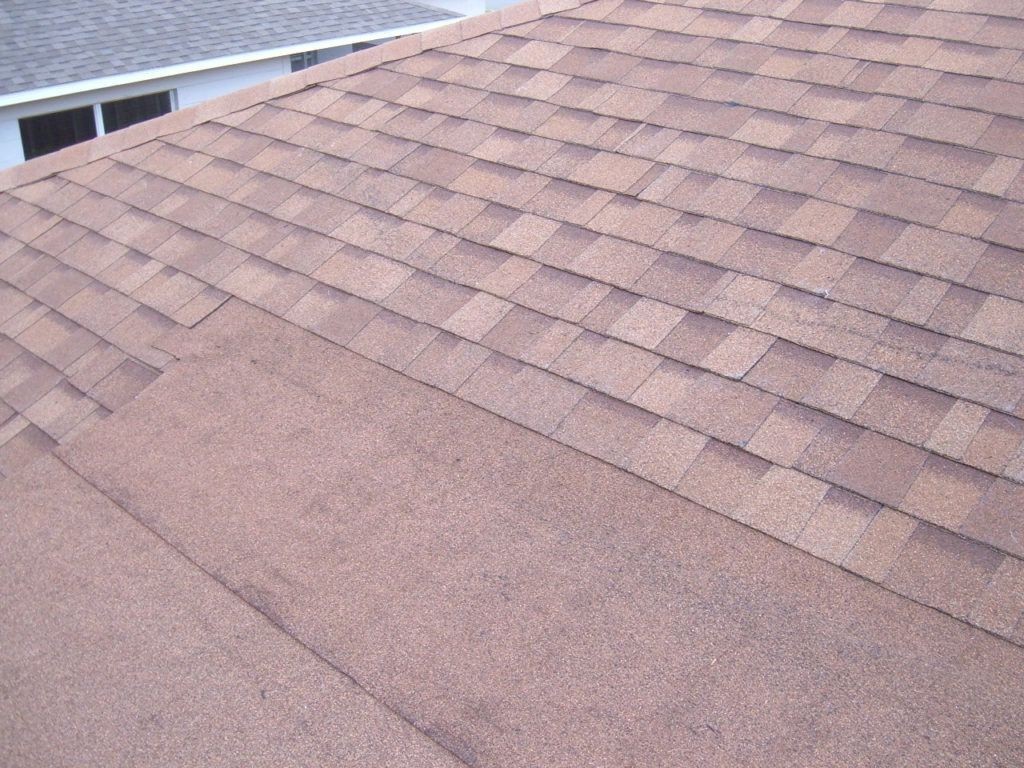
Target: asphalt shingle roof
<point>65,41</point>
<point>765,255</point>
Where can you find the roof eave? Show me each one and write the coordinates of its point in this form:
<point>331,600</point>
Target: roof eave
<point>134,135</point>
<point>174,70</point>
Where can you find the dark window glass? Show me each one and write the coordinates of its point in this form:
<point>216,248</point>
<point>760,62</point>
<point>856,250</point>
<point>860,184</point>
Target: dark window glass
<point>48,133</point>
<point>305,60</point>
<point>121,114</point>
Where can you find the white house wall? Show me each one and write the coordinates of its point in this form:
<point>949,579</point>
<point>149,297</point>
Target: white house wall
<point>201,86</point>
<point>191,88</point>
<point>10,141</point>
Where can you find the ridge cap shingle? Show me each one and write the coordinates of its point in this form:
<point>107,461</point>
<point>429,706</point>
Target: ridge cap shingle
<point>353,63</point>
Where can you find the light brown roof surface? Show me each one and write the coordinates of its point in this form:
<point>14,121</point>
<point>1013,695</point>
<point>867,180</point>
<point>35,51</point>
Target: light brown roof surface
<point>516,602</point>
<point>766,255</point>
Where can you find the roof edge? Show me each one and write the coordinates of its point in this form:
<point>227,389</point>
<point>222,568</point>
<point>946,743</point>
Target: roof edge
<point>360,61</point>
<point>18,98</point>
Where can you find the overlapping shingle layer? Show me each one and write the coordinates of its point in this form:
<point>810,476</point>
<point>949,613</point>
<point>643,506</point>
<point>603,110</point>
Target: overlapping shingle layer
<point>765,254</point>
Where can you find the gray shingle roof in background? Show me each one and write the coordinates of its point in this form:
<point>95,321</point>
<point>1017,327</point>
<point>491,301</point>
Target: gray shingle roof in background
<point>64,41</point>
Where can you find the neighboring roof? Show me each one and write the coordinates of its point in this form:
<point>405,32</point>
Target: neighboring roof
<point>67,41</point>
<point>762,254</point>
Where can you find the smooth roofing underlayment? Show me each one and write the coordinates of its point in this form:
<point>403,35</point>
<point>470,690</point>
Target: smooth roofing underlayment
<point>602,383</point>
<point>66,41</point>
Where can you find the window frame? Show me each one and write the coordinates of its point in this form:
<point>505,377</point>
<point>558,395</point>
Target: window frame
<point>29,126</point>
<point>30,131</point>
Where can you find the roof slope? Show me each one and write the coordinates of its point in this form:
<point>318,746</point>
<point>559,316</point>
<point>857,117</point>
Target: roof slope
<point>516,601</point>
<point>66,41</point>
<point>761,253</point>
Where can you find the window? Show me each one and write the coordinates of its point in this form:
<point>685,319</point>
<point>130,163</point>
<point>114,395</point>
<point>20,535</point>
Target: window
<point>125,112</point>
<point>43,134</point>
<point>304,60</point>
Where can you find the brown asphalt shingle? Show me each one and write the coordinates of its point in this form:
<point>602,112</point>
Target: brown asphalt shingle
<point>764,254</point>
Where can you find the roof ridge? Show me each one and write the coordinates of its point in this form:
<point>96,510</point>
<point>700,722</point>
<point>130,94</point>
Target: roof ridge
<point>353,63</point>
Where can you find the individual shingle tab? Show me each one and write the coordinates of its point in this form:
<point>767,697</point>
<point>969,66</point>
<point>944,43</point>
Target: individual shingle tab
<point>945,492</point>
<point>665,453</point>
<point>944,570</point>
<point>878,467</point>
<point>122,384</point>
<point>23,447</point>
<point>392,340</point>
<point>897,408</point>
<point>721,476</point>
<point>836,525</point>
<point>880,544</point>
<point>447,362</point>
<point>1002,603</point>
<point>606,427</point>
<point>998,519</point>
<point>782,502</point>
<point>267,285</point>
<point>606,365</point>
<point>785,434</point>
<point>332,314</point>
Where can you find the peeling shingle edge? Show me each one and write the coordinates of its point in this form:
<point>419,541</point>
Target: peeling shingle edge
<point>103,146</point>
